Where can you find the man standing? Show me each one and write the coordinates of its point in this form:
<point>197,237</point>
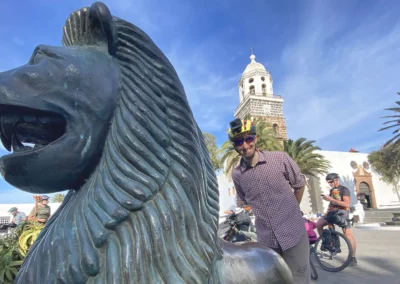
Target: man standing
<point>265,181</point>
<point>339,197</point>
<point>17,217</point>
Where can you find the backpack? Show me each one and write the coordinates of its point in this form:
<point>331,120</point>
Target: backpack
<point>336,217</point>
<point>327,241</point>
<point>330,242</point>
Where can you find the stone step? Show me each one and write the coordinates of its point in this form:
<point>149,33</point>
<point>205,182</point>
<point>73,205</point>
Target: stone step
<point>393,223</point>
<point>379,215</point>
<point>377,220</point>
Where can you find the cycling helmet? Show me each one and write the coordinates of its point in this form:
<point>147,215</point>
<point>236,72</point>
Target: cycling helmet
<point>332,176</point>
<point>44,197</point>
<point>239,127</point>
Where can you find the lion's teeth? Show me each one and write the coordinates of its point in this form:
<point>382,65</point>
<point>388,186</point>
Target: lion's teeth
<point>16,144</point>
<point>6,142</point>
<point>8,123</point>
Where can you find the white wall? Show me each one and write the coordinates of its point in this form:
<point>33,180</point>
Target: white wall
<point>340,163</point>
<point>226,202</point>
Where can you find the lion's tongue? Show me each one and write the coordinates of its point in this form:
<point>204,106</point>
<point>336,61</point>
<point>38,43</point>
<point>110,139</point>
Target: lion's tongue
<point>36,134</point>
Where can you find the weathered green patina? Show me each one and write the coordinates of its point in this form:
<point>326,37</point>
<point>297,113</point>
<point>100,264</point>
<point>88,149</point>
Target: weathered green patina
<point>110,121</point>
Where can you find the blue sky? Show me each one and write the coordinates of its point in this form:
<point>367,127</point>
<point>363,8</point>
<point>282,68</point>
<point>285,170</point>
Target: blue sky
<point>336,63</point>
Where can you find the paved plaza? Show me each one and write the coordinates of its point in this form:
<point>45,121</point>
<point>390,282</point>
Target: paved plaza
<point>378,255</point>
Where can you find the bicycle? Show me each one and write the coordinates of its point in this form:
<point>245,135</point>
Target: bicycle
<point>313,271</point>
<point>334,246</point>
<point>237,228</point>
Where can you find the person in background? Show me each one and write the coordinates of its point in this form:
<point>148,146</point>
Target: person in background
<point>310,227</point>
<point>339,200</point>
<point>17,216</point>
<point>43,211</point>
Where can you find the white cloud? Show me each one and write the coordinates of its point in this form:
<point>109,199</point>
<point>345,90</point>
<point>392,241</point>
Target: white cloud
<point>336,78</point>
<point>17,41</point>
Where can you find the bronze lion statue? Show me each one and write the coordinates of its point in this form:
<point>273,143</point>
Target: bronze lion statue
<point>106,117</point>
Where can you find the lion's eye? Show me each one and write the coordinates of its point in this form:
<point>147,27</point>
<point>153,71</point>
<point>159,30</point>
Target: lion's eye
<point>36,57</point>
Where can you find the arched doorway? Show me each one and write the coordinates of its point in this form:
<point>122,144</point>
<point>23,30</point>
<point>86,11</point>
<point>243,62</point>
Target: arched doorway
<point>365,195</point>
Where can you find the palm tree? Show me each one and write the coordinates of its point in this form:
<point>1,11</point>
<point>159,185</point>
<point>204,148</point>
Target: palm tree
<point>266,140</point>
<point>229,159</point>
<point>302,151</point>
<point>58,198</point>
<point>395,122</point>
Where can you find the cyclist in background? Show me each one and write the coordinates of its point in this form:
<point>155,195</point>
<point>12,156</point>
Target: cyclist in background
<point>339,200</point>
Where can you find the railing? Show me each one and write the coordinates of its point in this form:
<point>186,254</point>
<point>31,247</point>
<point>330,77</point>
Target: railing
<point>4,219</point>
<point>263,94</point>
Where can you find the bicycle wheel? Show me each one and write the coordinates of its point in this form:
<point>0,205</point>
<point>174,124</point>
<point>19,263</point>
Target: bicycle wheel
<point>334,261</point>
<point>313,271</point>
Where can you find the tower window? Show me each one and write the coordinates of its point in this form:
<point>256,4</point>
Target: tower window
<point>252,90</point>
<point>264,89</point>
<point>275,129</point>
<point>262,79</point>
<point>251,80</point>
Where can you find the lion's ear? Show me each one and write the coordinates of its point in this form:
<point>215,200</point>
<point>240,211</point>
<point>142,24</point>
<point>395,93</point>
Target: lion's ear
<point>102,27</point>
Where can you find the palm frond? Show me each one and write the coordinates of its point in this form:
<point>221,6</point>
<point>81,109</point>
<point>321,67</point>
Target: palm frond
<point>302,151</point>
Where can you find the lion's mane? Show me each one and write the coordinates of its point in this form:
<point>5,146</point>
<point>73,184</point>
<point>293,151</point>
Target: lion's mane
<point>149,212</point>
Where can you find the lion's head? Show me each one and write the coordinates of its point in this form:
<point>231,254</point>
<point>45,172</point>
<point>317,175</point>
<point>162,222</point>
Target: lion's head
<point>61,103</point>
<point>110,119</point>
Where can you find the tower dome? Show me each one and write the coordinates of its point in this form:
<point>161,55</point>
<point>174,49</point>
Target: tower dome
<point>253,66</point>
<point>255,80</point>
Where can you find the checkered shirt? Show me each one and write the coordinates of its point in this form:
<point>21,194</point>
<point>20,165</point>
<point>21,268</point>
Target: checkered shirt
<point>268,189</point>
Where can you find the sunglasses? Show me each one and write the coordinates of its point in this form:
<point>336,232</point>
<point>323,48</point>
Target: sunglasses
<point>240,141</point>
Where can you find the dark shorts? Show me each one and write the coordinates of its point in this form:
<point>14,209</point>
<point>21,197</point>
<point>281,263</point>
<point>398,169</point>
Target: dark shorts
<point>344,214</point>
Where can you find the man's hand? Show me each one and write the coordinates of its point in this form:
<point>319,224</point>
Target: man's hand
<point>327,198</point>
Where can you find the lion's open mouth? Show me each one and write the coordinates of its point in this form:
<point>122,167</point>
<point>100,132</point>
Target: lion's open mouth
<point>24,129</point>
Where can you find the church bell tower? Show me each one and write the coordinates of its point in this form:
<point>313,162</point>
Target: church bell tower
<point>257,98</point>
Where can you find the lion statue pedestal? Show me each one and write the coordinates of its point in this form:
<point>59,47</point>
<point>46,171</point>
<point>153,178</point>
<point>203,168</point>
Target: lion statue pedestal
<point>110,121</point>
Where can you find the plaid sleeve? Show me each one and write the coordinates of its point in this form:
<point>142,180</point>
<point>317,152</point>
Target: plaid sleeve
<point>293,174</point>
<point>240,197</point>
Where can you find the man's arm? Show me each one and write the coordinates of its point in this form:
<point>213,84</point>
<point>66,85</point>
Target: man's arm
<point>296,179</point>
<point>298,193</point>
